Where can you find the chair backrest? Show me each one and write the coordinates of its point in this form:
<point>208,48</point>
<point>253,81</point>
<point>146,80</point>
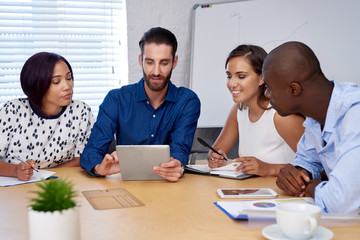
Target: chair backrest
<point>112,146</point>
<point>199,152</point>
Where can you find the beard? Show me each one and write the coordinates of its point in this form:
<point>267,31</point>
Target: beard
<point>157,87</point>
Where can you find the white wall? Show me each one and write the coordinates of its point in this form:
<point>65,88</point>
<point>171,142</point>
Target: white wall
<point>175,15</point>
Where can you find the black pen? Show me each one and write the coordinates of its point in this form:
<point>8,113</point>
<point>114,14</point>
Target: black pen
<point>205,144</point>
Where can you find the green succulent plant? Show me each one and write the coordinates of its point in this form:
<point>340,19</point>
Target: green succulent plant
<point>55,195</point>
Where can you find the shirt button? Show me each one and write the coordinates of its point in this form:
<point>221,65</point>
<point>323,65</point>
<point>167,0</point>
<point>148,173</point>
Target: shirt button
<point>152,135</point>
<point>147,102</point>
<point>153,115</point>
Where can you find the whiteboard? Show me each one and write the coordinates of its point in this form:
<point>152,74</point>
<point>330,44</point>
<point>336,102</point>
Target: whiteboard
<point>329,27</point>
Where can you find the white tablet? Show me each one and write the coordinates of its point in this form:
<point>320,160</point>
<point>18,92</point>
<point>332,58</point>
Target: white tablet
<point>136,161</point>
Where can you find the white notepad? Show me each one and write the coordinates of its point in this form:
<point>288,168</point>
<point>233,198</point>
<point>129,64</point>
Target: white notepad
<point>36,177</point>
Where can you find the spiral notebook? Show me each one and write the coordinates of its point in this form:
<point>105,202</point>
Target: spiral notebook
<point>227,171</point>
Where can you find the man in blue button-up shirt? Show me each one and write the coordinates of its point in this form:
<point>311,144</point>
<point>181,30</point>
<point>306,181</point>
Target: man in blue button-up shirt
<point>331,141</point>
<point>152,111</point>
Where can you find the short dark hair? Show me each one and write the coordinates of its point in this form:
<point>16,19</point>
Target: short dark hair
<point>158,35</point>
<point>36,76</point>
<point>255,55</point>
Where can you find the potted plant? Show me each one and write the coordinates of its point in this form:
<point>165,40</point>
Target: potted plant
<point>53,213</point>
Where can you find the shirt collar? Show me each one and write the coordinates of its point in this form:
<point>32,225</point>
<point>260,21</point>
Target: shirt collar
<point>141,96</point>
<point>330,120</point>
<point>336,109</point>
<point>47,117</point>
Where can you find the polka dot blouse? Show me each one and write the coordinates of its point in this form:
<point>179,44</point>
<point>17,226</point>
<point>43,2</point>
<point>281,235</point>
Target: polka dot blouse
<point>47,141</point>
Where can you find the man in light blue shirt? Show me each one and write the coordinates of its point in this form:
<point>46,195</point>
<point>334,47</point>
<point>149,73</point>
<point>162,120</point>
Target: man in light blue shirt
<point>331,141</point>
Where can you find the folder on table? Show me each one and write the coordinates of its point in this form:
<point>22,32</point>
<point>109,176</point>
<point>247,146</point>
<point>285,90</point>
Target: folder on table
<point>261,208</point>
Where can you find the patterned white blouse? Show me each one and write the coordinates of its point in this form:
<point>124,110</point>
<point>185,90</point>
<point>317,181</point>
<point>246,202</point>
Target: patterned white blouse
<point>25,134</point>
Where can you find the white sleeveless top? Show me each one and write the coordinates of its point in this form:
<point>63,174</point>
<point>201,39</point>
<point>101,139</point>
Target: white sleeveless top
<point>261,140</point>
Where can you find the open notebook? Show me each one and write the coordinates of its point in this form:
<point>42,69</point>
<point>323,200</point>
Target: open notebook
<point>227,171</point>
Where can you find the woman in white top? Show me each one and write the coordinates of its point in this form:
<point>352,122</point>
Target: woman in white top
<point>267,141</point>
<point>46,129</point>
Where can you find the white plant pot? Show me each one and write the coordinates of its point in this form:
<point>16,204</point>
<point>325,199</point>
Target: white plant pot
<point>54,225</point>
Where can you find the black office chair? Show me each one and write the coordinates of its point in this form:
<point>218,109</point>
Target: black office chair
<point>112,147</point>
<point>198,151</point>
<point>209,135</point>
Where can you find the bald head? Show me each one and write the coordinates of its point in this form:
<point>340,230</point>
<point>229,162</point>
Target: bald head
<point>295,81</point>
<point>293,62</point>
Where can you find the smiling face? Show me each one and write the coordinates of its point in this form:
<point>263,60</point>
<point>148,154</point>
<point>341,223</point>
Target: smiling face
<point>157,63</point>
<point>243,83</point>
<point>59,93</point>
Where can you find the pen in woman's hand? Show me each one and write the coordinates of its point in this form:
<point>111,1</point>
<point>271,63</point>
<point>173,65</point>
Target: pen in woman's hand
<point>26,164</point>
<point>205,144</point>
